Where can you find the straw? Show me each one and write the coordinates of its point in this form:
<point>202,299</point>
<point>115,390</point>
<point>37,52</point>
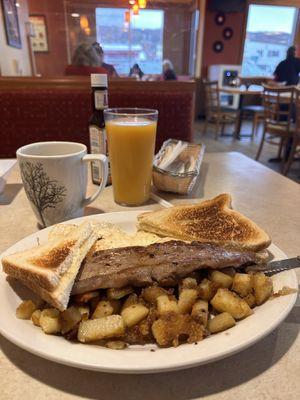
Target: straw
<point>161,201</point>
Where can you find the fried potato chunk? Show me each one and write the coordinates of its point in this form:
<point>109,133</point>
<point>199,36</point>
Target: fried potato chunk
<point>221,280</point>
<point>220,322</point>
<point>170,329</point>
<point>131,299</point>
<point>25,309</point>
<point>105,308</point>
<point>151,293</point>
<point>102,328</point>
<point>116,345</point>
<point>141,333</point>
<point>166,306</point>
<point>134,314</point>
<point>262,286</point>
<point>206,289</point>
<point>242,284</point>
<point>50,321</point>
<point>35,317</point>
<point>227,301</point>
<point>250,300</point>
<point>200,312</point>
<point>186,300</point>
<point>69,319</point>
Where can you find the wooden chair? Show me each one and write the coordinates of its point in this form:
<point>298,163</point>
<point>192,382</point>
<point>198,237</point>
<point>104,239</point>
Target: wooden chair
<point>296,134</point>
<point>255,111</point>
<point>278,108</point>
<point>214,112</point>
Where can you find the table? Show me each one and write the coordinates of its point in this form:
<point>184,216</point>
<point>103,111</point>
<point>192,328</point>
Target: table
<point>242,91</point>
<point>267,370</point>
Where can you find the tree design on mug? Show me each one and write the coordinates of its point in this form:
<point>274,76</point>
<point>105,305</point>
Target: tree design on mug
<point>41,190</point>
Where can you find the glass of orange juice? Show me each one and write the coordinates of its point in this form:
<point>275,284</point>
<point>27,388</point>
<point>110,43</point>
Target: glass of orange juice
<point>131,136</point>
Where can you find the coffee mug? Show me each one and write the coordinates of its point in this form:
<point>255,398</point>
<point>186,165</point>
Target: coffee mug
<point>54,176</point>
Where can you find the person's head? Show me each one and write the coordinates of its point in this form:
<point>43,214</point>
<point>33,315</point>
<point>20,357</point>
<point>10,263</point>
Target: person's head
<point>291,52</point>
<point>167,65</point>
<point>85,55</point>
<point>99,51</point>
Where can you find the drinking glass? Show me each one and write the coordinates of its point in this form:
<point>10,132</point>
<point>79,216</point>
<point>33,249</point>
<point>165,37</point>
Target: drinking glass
<point>131,136</point>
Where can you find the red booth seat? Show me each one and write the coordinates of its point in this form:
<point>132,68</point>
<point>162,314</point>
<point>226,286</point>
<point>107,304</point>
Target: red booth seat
<point>34,114</point>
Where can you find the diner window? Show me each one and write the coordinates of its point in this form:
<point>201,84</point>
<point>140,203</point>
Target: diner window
<point>128,39</point>
<point>270,31</point>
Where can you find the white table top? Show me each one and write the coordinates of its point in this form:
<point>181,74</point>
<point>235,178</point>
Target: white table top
<point>267,370</point>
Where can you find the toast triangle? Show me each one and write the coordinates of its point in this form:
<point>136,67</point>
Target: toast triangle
<point>211,221</point>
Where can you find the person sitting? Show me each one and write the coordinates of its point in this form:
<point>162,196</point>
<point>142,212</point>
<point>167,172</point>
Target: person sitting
<point>136,72</point>
<point>85,61</point>
<point>288,70</point>
<point>168,71</point>
<point>110,69</point>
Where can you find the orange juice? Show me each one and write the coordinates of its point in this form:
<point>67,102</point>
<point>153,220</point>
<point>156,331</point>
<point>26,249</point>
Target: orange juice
<point>131,144</point>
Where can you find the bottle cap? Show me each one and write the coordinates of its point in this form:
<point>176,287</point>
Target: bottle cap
<point>99,80</point>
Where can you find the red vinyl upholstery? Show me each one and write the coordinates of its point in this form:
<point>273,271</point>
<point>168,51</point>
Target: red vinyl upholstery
<point>33,115</point>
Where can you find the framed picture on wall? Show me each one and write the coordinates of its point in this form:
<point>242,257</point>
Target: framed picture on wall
<point>11,23</point>
<point>39,41</point>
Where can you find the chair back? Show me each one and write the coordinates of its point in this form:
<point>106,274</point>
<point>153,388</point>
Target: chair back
<point>212,97</point>
<point>297,107</point>
<point>278,106</point>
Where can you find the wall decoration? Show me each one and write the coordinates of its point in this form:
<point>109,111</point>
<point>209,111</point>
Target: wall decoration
<point>220,18</point>
<point>227,33</point>
<point>218,46</point>
<point>11,23</point>
<point>39,41</point>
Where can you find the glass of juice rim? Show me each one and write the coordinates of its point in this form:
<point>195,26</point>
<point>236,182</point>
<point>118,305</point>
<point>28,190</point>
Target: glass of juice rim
<point>131,134</point>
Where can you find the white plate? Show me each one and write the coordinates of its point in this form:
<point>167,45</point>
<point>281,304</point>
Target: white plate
<point>139,359</point>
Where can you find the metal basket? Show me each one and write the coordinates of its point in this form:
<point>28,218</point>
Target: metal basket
<point>175,182</point>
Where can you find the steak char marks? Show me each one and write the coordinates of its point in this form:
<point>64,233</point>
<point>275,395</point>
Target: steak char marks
<point>164,263</point>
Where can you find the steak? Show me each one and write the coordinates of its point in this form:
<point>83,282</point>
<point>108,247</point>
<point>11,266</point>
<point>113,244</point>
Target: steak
<point>164,263</point>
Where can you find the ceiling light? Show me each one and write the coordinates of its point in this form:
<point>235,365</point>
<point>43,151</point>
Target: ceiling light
<point>17,4</point>
<point>132,2</point>
<point>75,15</point>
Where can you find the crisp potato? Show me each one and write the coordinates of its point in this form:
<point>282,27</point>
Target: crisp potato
<point>220,322</point>
<point>69,319</point>
<point>35,317</point>
<point>116,294</point>
<point>105,308</point>
<point>134,314</point>
<point>221,280</point>
<point>25,309</point>
<point>131,299</point>
<point>151,293</point>
<point>200,312</point>
<point>102,328</point>
<point>242,284</point>
<point>250,300</point>
<point>166,306</point>
<point>84,311</point>
<point>170,328</point>
<point>206,290</point>
<point>187,283</point>
<point>186,300</point>
<point>116,345</point>
<point>50,321</point>
<point>227,301</point>
<point>262,286</point>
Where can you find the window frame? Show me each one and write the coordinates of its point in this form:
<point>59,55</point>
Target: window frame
<point>279,3</point>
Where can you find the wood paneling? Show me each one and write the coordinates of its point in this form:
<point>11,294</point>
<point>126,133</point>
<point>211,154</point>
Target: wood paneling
<point>54,61</point>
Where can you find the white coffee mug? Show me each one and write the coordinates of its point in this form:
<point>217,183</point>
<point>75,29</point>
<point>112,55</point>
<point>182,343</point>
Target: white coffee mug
<point>54,176</point>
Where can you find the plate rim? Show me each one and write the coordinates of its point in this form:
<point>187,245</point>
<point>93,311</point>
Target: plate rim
<point>137,370</point>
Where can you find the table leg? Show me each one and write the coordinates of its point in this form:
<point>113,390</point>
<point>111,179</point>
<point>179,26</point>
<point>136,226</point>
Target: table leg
<point>240,119</point>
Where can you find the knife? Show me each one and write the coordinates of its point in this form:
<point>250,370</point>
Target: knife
<point>274,267</point>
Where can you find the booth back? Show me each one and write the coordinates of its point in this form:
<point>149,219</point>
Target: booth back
<point>40,113</point>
